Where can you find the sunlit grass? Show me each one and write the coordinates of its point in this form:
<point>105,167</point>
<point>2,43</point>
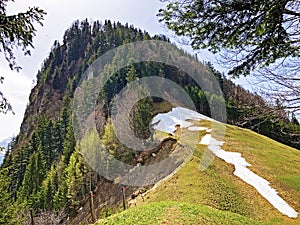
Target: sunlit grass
<point>198,196</point>
<point>176,213</point>
<point>218,187</point>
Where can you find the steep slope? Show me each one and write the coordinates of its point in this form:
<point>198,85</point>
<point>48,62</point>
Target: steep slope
<point>47,172</point>
<point>218,187</point>
<point>45,167</point>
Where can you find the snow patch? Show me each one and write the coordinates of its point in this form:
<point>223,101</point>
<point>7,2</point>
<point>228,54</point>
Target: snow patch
<point>178,116</point>
<point>167,122</point>
<point>241,171</point>
<point>195,128</point>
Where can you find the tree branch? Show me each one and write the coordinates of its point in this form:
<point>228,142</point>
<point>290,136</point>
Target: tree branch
<point>290,12</point>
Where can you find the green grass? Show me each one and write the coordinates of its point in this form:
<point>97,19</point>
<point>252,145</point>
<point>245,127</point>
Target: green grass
<point>215,193</point>
<point>277,163</point>
<point>219,188</point>
<point>176,213</point>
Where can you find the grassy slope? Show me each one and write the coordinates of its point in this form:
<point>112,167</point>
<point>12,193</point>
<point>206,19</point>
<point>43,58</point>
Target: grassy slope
<point>219,188</point>
<point>176,213</point>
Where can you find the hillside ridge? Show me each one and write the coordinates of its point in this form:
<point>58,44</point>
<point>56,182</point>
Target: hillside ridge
<point>46,172</point>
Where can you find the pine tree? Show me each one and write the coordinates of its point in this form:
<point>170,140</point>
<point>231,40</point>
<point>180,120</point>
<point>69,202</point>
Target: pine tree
<point>8,210</point>
<point>48,193</point>
<point>34,175</point>
<point>131,75</point>
<point>17,170</point>
<point>69,143</point>
<point>142,114</point>
<point>74,181</point>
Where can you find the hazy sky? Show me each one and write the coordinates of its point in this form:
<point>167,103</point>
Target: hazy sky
<point>60,15</point>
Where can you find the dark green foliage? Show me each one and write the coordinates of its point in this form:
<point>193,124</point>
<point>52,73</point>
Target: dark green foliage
<point>5,106</point>
<point>34,175</point>
<point>45,168</point>
<point>47,172</point>
<point>199,98</point>
<point>142,113</point>
<point>294,120</point>
<point>252,111</point>
<point>8,210</point>
<point>141,116</point>
<point>69,143</point>
<point>17,169</point>
<point>258,32</point>
<point>44,138</point>
<point>131,75</point>
<point>17,31</point>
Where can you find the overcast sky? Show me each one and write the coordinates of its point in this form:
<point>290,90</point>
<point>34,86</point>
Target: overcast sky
<point>60,15</point>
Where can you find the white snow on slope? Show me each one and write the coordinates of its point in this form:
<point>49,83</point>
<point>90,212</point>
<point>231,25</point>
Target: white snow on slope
<point>195,128</point>
<point>241,171</point>
<point>179,115</point>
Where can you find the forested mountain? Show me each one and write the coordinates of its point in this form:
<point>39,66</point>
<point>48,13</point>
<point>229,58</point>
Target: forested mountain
<point>43,168</point>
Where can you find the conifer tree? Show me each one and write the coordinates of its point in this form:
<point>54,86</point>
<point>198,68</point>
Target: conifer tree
<point>69,143</point>
<point>74,181</point>
<point>34,175</point>
<point>8,210</point>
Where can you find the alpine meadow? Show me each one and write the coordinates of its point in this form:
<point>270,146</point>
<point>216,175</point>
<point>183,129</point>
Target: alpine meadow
<point>125,127</point>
